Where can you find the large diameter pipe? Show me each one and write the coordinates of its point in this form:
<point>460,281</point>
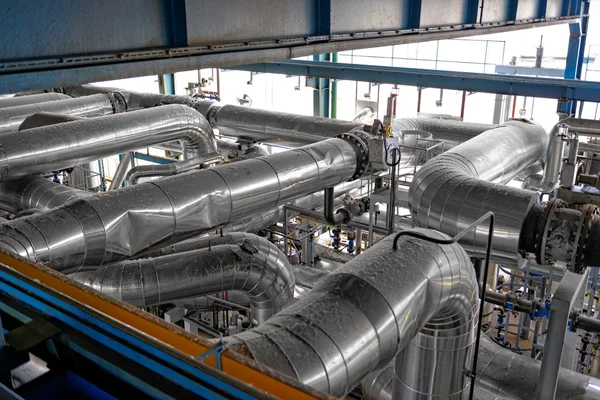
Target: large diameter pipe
<point>36,193</point>
<point>32,99</point>
<point>275,128</point>
<point>238,261</point>
<point>451,132</point>
<point>11,118</point>
<point>365,313</point>
<point>92,177</point>
<point>454,189</point>
<point>115,225</point>
<point>501,374</point>
<point>285,129</point>
<point>54,147</point>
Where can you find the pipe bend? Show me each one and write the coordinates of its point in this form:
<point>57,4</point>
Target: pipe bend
<point>547,182</point>
<point>198,137</point>
<point>363,314</point>
<point>242,262</point>
<point>455,188</point>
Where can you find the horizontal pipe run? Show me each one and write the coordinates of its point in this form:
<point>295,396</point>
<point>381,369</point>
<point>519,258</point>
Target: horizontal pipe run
<point>111,226</point>
<point>587,323</point>
<point>32,99</point>
<point>54,147</point>
<point>285,129</point>
<point>35,192</point>
<point>89,106</point>
<point>501,374</point>
<point>242,262</point>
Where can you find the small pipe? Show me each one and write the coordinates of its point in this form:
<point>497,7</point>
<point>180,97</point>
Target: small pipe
<point>122,169</point>
<point>329,214</point>
<point>586,323</point>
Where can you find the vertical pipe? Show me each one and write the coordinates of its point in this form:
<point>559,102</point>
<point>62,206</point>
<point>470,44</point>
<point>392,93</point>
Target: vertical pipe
<point>121,171</point>
<point>419,90</point>
<point>462,105</point>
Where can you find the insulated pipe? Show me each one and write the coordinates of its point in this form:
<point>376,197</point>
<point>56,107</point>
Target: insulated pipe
<point>256,222</point>
<point>454,189</point>
<point>365,313</point>
<point>46,118</point>
<point>115,225</point>
<point>547,182</point>
<point>501,374</point>
<point>449,131</point>
<point>238,261</point>
<point>176,168</point>
<point>89,106</point>
<point>126,162</point>
<point>36,192</point>
<point>285,129</point>
<point>53,147</point>
<point>32,99</point>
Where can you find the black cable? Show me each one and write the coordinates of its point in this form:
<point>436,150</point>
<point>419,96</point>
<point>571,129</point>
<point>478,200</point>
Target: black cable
<point>394,151</point>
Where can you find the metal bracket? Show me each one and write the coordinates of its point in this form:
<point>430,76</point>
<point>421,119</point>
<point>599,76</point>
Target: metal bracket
<point>216,349</point>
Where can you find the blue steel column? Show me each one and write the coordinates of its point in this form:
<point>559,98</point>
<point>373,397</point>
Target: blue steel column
<point>321,92</point>
<point>166,83</point>
<point>322,85</point>
<point>576,52</point>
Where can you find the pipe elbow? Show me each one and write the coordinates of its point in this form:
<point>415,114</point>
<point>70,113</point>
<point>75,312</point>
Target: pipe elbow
<point>198,136</point>
<point>539,183</point>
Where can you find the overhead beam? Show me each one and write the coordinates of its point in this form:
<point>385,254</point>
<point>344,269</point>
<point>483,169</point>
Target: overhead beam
<point>56,71</point>
<point>566,89</point>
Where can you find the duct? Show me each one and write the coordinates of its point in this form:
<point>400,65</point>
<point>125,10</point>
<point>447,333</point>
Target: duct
<point>115,225</point>
<point>237,261</point>
<point>547,182</point>
<point>89,106</point>
<point>36,192</point>
<point>33,99</point>
<point>360,316</point>
<point>454,189</point>
<point>54,147</point>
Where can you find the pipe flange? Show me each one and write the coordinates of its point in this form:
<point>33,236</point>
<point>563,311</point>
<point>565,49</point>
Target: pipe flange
<point>211,115</point>
<point>544,228</point>
<point>118,102</point>
<point>361,150</point>
<point>588,213</point>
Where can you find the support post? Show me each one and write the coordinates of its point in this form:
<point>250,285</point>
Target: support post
<point>567,294</point>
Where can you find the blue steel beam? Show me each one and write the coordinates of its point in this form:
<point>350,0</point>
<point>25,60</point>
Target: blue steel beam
<point>488,83</point>
<point>55,44</point>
